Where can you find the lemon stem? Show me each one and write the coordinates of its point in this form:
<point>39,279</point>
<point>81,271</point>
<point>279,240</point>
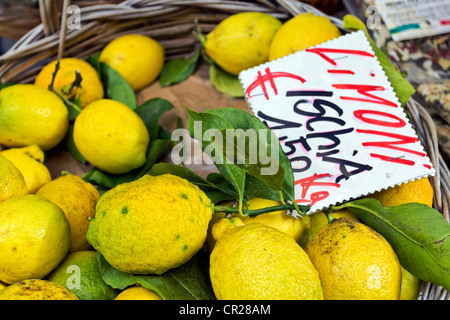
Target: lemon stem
<point>329,216</point>
<point>254,213</point>
<point>66,101</point>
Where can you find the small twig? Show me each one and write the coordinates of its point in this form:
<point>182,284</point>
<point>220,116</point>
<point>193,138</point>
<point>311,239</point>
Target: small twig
<point>253,213</point>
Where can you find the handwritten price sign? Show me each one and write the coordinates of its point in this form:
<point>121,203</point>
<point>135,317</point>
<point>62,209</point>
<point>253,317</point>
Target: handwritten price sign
<point>338,120</point>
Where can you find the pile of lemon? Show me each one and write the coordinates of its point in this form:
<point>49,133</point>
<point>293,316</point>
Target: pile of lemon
<point>157,223</point>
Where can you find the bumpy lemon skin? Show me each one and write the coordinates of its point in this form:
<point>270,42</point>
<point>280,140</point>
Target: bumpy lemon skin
<point>354,262</point>
<point>77,198</point>
<point>255,261</point>
<point>150,225</point>
<point>36,289</point>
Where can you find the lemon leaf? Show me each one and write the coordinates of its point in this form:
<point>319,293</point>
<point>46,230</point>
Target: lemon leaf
<point>70,145</point>
<point>187,282</point>
<point>116,87</point>
<point>225,82</point>
<point>178,70</point>
<point>419,235</point>
<point>200,126</point>
<point>150,112</point>
<point>257,184</point>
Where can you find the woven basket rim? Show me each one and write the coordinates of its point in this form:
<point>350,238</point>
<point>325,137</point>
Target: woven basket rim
<point>100,23</point>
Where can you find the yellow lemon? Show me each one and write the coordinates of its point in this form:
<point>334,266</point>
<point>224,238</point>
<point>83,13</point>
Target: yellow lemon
<point>300,32</point>
<point>31,115</point>
<point>419,190</point>
<point>150,225</point>
<point>313,222</point>
<point>35,173</point>
<point>354,262</point>
<point>242,41</point>
<point>280,219</point>
<point>12,182</point>
<point>35,237</point>
<point>411,286</point>
<point>139,59</point>
<point>255,261</point>
<point>138,293</point>
<point>2,285</point>
<point>111,136</point>
<point>77,198</point>
<point>91,85</point>
<point>80,273</point>
<point>36,289</point>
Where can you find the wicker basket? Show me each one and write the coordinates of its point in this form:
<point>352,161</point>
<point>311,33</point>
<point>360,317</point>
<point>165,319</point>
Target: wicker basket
<point>172,22</point>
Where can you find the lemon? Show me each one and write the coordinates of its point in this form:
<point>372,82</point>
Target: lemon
<point>411,286</point>
<point>35,237</point>
<point>139,59</point>
<point>91,85</point>
<point>77,198</point>
<point>300,32</point>
<point>419,190</point>
<point>242,41</point>
<point>36,289</point>
<point>35,173</point>
<point>12,182</point>
<point>255,261</point>
<point>31,115</point>
<point>111,136</point>
<point>354,262</point>
<point>2,286</point>
<point>280,220</point>
<point>80,273</point>
<point>150,225</point>
<point>313,222</point>
<point>138,293</point>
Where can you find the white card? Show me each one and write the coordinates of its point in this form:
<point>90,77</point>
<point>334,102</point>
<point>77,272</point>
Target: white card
<point>338,120</point>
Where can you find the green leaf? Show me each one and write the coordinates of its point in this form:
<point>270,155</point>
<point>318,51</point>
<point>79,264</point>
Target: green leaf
<point>225,82</point>
<point>182,172</point>
<point>283,178</point>
<point>178,70</point>
<point>93,60</point>
<point>214,190</point>
<point>186,282</point>
<point>419,235</point>
<point>116,87</point>
<point>4,85</point>
<point>70,145</point>
<point>150,112</point>
<point>231,172</point>
<point>403,89</point>
<point>105,180</point>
